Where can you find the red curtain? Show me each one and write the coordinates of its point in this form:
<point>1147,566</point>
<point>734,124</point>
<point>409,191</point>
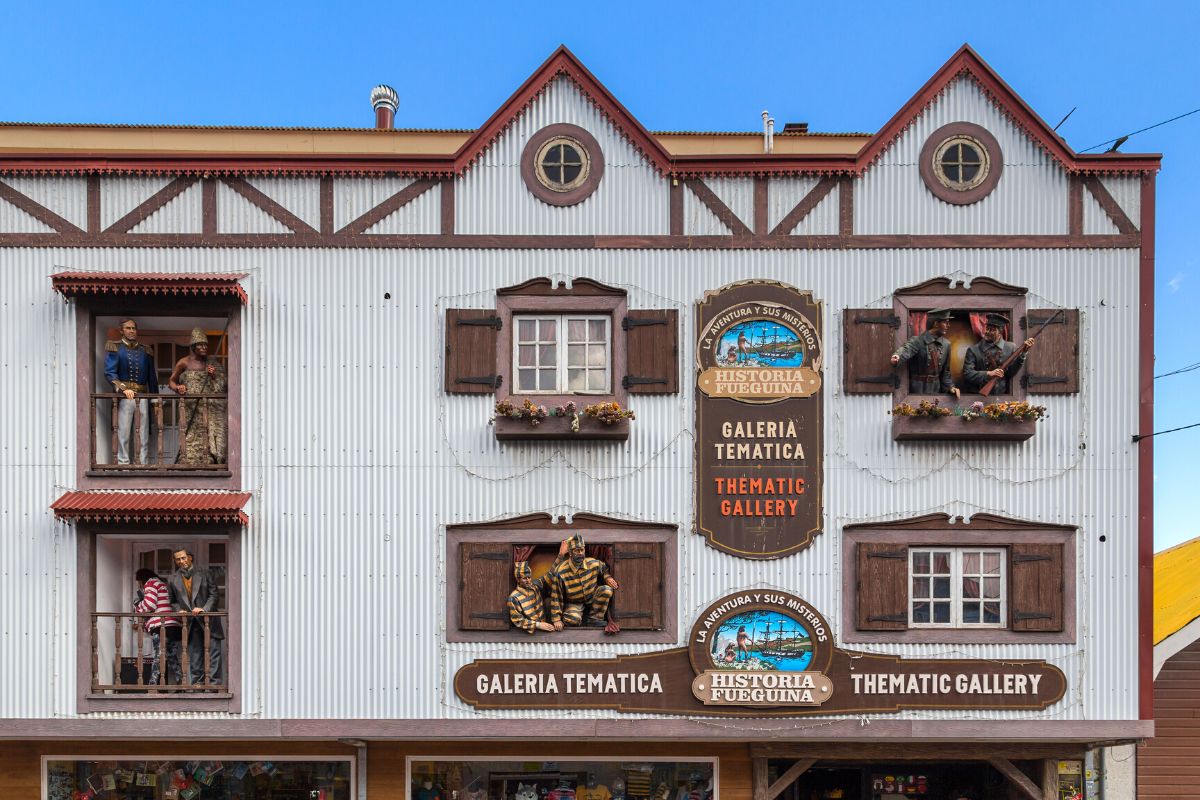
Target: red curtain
<point>916,322</point>
<point>522,552</point>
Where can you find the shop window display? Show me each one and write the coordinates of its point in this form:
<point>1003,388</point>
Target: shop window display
<point>198,779</point>
<point>530,779</point>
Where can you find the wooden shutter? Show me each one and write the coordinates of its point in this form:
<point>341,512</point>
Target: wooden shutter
<point>1052,366</point>
<point>485,580</point>
<point>471,335</point>
<point>1035,587</point>
<point>651,351</point>
<point>638,604</point>
<point>868,341</point>
<point>882,587</point>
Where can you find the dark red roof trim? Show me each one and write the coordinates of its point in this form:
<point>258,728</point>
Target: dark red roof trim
<point>966,62</point>
<point>161,507</point>
<point>211,284</point>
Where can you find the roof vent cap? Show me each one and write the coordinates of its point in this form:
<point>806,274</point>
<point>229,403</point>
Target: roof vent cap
<point>385,101</point>
<point>795,127</point>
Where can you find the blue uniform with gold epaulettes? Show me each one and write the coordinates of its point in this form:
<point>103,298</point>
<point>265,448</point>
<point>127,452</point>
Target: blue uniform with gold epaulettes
<point>130,367</point>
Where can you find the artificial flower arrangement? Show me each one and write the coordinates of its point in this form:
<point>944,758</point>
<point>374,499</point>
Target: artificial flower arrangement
<point>606,413</point>
<point>1007,411</point>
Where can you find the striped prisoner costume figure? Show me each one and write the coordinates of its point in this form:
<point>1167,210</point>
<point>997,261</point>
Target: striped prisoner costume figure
<point>525,606</point>
<point>577,585</point>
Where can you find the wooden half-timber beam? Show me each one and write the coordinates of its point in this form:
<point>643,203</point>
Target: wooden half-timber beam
<point>717,206</point>
<point>389,206</point>
<point>144,209</point>
<point>764,792</point>
<point>1114,211</point>
<point>37,210</point>
<point>267,204</point>
<point>804,207</point>
<point>1018,778</point>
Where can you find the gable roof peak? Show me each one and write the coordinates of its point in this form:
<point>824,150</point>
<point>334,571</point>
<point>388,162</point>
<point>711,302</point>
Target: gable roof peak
<point>562,62</point>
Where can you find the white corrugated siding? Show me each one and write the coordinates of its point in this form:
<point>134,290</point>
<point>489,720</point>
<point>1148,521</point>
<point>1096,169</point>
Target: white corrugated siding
<point>15,220</point>
<point>358,461</point>
<point>301,196</point>
<point>119,196</point>
<point>1128,194</point>
<point>1030,198</point>
<point>353,197</point>
<point>422,215</point>
<point>1095,219</point>
<point>182,214</point>
<point>236,214</point>
<point>737,194</point>
<point>631,197</point>
<point>66,197</point>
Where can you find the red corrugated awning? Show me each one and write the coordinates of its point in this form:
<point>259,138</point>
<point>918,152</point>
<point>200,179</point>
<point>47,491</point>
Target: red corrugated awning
<point>174,507</point>
<point>203,284</point>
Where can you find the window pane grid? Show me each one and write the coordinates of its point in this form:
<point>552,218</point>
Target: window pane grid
<point>568,354</point>
<point>956,588</point>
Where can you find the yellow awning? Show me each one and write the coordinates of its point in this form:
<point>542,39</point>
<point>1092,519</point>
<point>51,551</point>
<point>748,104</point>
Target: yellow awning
<point>1176,589</point>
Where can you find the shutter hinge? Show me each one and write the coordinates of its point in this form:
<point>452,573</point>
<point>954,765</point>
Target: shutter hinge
<point>493,381</point>
<point>1019,558</point>
<point>488,615</point>
<point>1025,615</point>
<point>892,321</point>
<point>633,322</point>
<point>633,380</point>
<point>487,322</point>
<point>888,554</point>
<point>1033,318</point>
<point>631,614</point>
<point>891,380</point>
<point>492,556</point>
<point>888,618</point>
<point>1037,380</point>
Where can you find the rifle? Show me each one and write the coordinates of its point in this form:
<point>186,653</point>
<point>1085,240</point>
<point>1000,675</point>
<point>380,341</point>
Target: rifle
<point>1020,351</point>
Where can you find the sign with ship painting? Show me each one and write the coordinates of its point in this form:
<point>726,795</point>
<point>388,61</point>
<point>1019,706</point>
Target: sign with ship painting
<point>761,653</point>
<point>759,452</point>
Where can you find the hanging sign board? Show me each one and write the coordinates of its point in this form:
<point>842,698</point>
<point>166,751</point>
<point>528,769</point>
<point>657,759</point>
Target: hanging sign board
<point>759,653</point>
<point>759,419</point>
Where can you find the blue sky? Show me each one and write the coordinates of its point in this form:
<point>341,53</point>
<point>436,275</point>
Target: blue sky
<point>676,66</point>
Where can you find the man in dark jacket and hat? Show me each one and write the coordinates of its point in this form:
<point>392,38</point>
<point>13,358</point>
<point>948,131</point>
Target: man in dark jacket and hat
<point>985,357</point>
<point>928,357</point>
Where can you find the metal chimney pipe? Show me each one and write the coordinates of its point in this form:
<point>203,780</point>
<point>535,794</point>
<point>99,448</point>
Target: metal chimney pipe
<point>766,134</point>
<point>771,135</point>
<point>385,101</point>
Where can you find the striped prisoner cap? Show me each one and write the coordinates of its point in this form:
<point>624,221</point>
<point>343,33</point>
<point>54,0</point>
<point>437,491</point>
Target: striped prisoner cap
<point>521,570</point>
<point>575,541</point>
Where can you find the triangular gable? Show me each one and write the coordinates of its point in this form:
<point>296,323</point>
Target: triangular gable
<point>563,62</point>
<point>966,62</point>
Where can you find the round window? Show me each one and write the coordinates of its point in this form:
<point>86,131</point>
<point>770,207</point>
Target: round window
<point>562,164</point>
<point>961,163</point>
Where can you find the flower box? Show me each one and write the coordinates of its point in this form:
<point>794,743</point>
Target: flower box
<point>508,429</point>
<point>956,429</point>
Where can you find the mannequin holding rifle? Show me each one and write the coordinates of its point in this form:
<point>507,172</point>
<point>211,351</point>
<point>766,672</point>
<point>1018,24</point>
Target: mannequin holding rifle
<point>202,439</point>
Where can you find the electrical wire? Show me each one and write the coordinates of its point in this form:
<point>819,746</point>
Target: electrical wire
<point>1137,437</point>
<point>1142,130</point>
<point>1188,368</point>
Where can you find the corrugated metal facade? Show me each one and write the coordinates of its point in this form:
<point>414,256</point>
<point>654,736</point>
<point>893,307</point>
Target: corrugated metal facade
<point>492,197</point>
<point>1030,198</point>
<point>358,461</point>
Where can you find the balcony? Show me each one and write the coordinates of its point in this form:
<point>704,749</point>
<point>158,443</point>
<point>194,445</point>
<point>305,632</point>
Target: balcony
<point>187,435</point>
<point>123,656</point>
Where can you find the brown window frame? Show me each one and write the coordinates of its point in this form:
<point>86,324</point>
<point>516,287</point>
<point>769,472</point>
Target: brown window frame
<point>939,185</point>
<point>85,599</point>
<point>936,530</point>
<point>86,313</point>
<point>538,529</point>
<point>540,296</point>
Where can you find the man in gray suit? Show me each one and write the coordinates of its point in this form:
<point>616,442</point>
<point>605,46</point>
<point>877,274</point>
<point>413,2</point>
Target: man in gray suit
<point>192,592</point>
<point>985,357</point>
